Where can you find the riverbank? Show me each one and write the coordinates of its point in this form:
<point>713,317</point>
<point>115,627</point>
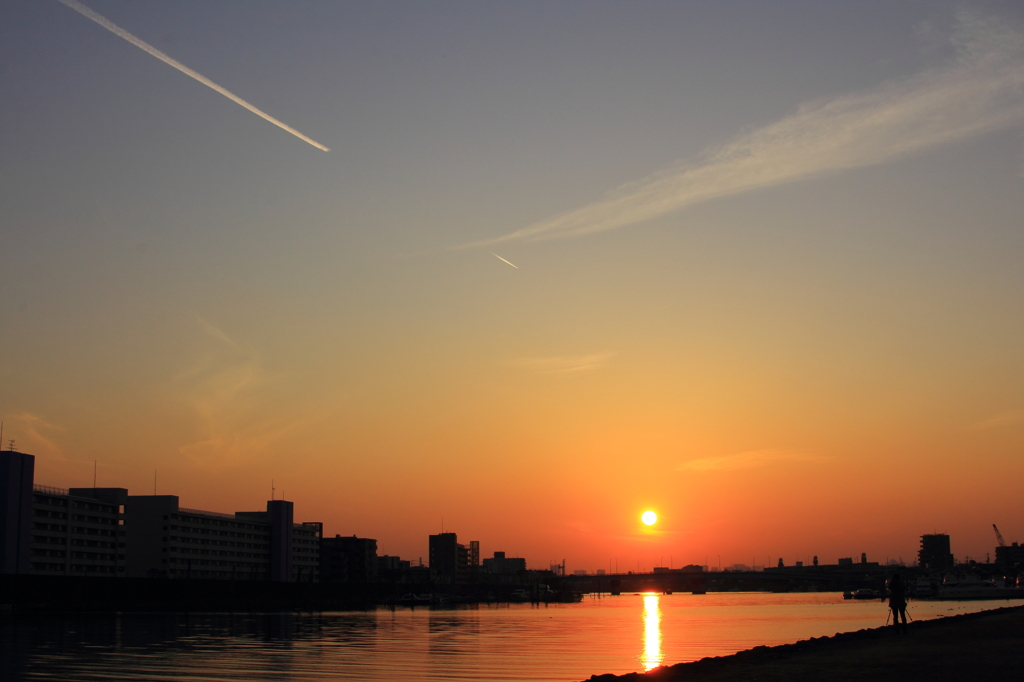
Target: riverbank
<point>984,645</point>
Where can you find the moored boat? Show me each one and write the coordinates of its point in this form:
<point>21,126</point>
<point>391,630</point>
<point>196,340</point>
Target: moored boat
<point>923,589</point>
<point>519,595</point>
<point>975,588</point>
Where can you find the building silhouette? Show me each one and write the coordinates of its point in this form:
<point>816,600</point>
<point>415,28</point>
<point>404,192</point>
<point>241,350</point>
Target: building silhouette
<point>934,554</point>
<point>392,563</point>
<point>167,540</point>
<point>52,531</point>
<point>349,560</point>
<point>79,531</point>
<point>500,564</point>
<point>450,562</point>
<point>16,472</point>
<point>107,532</point>
<point>1010,556</point>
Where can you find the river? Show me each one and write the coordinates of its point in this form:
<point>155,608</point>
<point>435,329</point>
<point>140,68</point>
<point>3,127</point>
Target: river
<point>562,642</point>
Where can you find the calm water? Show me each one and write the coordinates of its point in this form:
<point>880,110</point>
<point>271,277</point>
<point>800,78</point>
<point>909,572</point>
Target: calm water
<point>517,642</point>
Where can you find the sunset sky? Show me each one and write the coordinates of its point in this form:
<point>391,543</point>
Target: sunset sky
<point>756,266</point>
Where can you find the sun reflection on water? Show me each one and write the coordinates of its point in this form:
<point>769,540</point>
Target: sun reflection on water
<point>652,656</point>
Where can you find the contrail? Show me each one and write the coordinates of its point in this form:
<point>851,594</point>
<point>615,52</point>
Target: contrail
<point>117,30</point>
<point>502,259</point>
<point>981,91</point>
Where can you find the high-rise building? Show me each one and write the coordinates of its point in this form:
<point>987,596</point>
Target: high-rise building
<point>449,561</point>
<point>52,531</point>
<point>78,531</point>
<point>167,540</point>
<point>16,472</point>
<point>934,554</point>
<point>1010,556</point>
<point>107,532</point>
<point>348,560</point>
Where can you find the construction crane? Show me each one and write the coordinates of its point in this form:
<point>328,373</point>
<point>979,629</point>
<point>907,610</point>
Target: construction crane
<point>999,536</point>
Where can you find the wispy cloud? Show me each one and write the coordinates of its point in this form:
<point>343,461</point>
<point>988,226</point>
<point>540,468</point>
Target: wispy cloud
<point>565,364</point>
<point>750,460</point>
<point>978,92</point>
<point>244,411</point>
<point>1007,418</point>
<point>27,436</point>
<point>217,333</point>
<point>138,42</point>
<point>225,388</point>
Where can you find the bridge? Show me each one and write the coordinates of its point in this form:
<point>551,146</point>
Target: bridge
<point>796,579</point>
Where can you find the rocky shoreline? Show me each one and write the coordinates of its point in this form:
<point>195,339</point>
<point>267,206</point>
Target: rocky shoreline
<point>973,646</point>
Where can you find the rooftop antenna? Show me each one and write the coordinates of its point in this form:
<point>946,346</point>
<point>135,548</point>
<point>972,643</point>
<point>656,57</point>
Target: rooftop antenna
<point>10,446</point>
<point>272,491</point>
<point>1,432</point>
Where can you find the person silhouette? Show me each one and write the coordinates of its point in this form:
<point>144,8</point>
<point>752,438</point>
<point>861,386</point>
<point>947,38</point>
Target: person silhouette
<point>898,600</point>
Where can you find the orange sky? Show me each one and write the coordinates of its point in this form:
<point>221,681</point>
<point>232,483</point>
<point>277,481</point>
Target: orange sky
<point>767,271</point>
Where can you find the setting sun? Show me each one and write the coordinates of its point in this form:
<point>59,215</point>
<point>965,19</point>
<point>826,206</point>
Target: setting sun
<point>649,518</point>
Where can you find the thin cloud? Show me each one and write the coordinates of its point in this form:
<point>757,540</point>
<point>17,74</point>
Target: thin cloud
<point>225,388</point>
<point>1002,419</point>
<point>504,261</point>
<point>565,364</point>
<point>243,411</point>
<point>749,460</point>
<point>978,92</point>
<point>29,434</point>
<point>217,333</point>
<point>138,42</point>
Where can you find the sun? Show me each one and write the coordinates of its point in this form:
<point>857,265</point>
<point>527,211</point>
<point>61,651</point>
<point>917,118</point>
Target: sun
<point>649,518</point>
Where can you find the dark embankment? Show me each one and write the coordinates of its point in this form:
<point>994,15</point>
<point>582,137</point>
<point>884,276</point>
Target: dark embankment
<point>979,646</point>
<point>31,593</point>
